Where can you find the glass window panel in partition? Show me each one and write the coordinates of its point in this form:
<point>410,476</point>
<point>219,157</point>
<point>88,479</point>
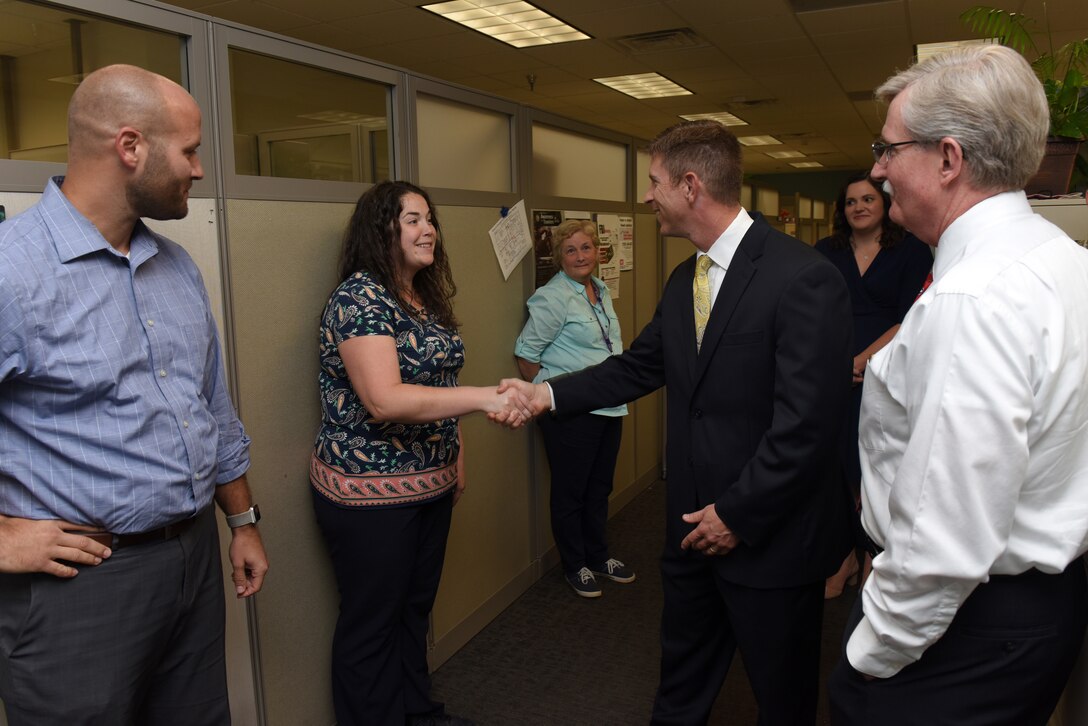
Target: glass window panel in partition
<point>45,52</point>
<point>296,121</point>
<point>568,164</point>
<point>462,146</point>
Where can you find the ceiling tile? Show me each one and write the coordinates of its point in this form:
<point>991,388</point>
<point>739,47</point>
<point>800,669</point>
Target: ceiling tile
<point>870,18</point>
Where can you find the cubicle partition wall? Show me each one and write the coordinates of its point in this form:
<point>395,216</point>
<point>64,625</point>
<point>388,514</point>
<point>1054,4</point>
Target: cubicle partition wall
<point>293,133</point>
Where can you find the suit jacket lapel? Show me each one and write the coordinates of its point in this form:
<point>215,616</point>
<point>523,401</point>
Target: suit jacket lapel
<point>742,268</point>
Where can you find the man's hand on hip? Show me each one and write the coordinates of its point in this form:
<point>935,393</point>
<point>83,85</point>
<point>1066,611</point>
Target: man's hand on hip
<point>33,545</point>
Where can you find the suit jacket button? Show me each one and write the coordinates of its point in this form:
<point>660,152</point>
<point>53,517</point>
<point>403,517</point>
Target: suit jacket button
<point>697,413</point>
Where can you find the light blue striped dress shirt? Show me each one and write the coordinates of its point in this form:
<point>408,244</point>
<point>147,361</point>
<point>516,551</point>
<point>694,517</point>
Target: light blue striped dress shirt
<point>114,409</point>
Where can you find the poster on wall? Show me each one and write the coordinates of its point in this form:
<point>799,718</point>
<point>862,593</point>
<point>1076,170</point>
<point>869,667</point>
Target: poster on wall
<point>627,242</point>
<point>544,221</point>
<point>608,231</point>
<point>610,274</point>
<point>511,239</point>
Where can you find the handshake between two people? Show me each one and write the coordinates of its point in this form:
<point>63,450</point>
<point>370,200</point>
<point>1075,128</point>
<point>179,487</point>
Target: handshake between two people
<point>518,402</point>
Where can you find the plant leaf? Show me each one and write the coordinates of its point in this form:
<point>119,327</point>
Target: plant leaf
<point>1011,29</point>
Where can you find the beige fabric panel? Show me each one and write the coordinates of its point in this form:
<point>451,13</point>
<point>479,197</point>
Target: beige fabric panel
<point>489,542</point>
<point>283,267</point>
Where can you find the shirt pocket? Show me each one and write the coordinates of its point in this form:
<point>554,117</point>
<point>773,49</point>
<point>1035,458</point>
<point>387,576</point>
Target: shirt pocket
<point>871,433</point>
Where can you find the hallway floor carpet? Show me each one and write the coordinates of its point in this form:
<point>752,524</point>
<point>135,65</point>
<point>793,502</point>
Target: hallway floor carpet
<point>556,659</point>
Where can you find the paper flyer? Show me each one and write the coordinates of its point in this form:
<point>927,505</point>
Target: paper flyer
<point>627,243</point>
<point>511,239</point>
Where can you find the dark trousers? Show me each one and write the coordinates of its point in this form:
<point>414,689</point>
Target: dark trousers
<point>388,562</point>
<point>1003,661</point>
<point>136,640</point>
<point>582,453</point>
<point>707,619</point>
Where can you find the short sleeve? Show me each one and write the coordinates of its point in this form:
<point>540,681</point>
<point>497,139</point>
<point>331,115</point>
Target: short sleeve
<point>547,315</point>
<point>359,307</point>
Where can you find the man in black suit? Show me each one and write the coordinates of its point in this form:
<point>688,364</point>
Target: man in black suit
<point>757,511</point>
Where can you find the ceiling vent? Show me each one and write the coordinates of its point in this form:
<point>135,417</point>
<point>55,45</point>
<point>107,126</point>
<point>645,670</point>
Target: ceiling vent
<point>742,102</point>
<point>661,41</point>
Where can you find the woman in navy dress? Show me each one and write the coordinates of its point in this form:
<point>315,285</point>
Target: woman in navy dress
<point>884,268</point>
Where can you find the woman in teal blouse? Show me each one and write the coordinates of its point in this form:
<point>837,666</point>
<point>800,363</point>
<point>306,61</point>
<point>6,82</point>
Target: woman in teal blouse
<point>572,326</point>
<point>387,465</point>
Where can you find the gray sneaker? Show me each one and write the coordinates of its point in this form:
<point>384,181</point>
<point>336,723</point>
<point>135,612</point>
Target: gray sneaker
<point>614,570</point>
<point>584,583</point>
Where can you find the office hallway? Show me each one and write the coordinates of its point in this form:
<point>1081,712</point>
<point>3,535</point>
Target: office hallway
<point>554,659</point>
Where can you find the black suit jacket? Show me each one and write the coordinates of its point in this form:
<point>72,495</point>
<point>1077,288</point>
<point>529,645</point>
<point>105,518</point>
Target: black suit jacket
<point>753,417</point>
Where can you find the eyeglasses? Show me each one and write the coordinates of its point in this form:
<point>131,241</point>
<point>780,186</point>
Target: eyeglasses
<point>883,151</point>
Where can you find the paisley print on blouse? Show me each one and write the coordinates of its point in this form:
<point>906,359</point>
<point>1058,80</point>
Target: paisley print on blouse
<point>358,461</point>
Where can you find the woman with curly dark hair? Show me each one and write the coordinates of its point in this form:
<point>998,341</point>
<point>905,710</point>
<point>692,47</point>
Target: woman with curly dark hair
<point>884,268</point>
<point>387,466</point>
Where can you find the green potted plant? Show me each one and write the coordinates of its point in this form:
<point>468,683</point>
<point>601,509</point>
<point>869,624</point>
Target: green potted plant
<point>1064,75</point>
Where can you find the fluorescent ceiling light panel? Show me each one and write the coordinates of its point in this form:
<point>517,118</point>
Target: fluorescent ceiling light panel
<point>725,119</point>
<point>926,50</point>
<point>515,23</point>
<point>644,85</point>
<point>784,154</point>
<point>805,164</point>
<point>758,140</point>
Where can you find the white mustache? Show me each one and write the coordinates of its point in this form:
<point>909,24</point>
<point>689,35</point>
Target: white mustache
<point>887,187</point>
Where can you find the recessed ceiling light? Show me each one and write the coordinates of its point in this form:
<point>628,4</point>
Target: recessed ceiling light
<point>515,23</point>
<point>758,140</point>
<point>925,50</point>
<point>644,85</point>
<point>784,154</point>
<point>725,119</point>
<point>805,164</point>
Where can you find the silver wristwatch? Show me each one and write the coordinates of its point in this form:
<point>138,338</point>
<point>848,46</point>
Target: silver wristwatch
<point>250,516</point>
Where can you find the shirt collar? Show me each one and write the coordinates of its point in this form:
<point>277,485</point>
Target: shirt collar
<point>75,236</point>
<point>974,227</point>
<point>723,249</point>
<point>579,286</point>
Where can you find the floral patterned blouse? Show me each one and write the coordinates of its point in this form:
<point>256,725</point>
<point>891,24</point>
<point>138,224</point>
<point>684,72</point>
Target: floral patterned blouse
<point>358,461</point>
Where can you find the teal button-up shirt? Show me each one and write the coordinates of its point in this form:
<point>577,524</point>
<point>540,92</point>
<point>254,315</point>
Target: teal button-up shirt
<point>566,332</point>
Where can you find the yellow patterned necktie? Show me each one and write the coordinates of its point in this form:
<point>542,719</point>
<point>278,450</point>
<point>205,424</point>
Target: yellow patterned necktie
<point>700,290</point>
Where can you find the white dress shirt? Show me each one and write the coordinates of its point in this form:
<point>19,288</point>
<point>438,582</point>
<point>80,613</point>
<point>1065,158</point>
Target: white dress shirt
<point>974,429</point>
<point>722,251</point>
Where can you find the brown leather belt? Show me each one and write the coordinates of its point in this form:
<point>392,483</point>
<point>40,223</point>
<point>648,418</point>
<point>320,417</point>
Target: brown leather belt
<point>162,534</point>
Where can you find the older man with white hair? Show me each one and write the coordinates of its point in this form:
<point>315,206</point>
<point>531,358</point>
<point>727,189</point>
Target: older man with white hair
<point>974,421</point>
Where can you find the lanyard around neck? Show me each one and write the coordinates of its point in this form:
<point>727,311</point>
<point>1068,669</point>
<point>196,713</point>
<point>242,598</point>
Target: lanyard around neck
<point>604,331</point>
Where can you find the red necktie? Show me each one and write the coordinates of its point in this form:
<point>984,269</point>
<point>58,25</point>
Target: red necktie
<point>925,286</point>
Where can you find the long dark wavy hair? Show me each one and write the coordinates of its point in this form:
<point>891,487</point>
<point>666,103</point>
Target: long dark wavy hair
<point>371,242</point>
<point>890,232</point>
